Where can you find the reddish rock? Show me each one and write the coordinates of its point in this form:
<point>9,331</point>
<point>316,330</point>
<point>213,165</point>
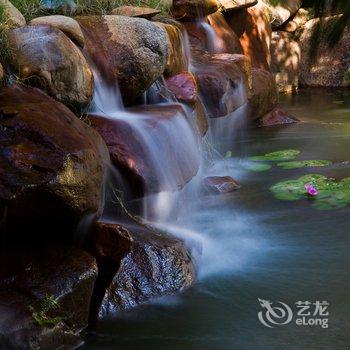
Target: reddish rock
<point>183,86</point>
<point>224,81</point>
<point>253,28</point>
<point>220,184</point>
<point>277,117</point>
<point>129,154</point>
<point>264,96</point>
<point>52,165</point>
<point>187,10</point>
<point>158,265</point>
<point>135,11</point>
<point>234,5</point>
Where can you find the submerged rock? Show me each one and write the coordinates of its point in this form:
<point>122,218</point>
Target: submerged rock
<point>187,10</point>
<point>276,117</point>
<point>220,184</point>
<point>135,11</point>
<point>131,51</point>
<point>158,265</point>
<point>67,25</point>
<point>286,57</point>
<point>146,171</point>
<point>45,297</point>
<point>327,66</point>
<point>13,18</point>
<point>224,82</point>
<point>45,57</point>
<point>264,96</point>
<point>52,166</point>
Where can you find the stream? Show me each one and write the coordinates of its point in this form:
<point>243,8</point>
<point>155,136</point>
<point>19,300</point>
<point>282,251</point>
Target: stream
<point>255,246</point>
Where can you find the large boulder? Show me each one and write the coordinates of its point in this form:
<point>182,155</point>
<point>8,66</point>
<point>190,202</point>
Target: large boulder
<point>327,67</point>
<point>188,10</point>
<point>68,25</point>
<point>131,51</point>
<point>285,65</point>
<point>264,96</point>
<point>135,11</point>
<point>253,28</point>
<point>158,265</point>
<point>224,82</point>
<point>45,57</point>
<point>11,16</point>
<point>161,127</point>
<point>45,297</point>
<point>52,166</point>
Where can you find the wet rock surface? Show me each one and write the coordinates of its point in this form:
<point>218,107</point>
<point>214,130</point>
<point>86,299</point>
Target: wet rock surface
<point>135,11</point>
<point>45,57</point>
<point>45,297</point>
<point>187,10</point>
<point>52,165</point>
<point>157,265</point>
<point>132,51</point>
<point>277,117</point>
<point>220,184</point>
<point>234,5</point>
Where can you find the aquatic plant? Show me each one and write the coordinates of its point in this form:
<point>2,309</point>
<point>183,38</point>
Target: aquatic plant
<point>277,156</point>
<point>256,167</point>
<point>304,164</point>
<point>331,194</point>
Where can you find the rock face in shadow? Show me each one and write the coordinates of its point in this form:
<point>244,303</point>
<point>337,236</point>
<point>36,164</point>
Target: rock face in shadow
<point>157,265</point>
<point>45,297</point>
<point>45,57</point>
<point>130,51</point>
<point>187,10</point>
<point>264,96</point>
<point>326,67</point>
<point>146,169</point>
<point>224,81</point>
<point>52,165</point>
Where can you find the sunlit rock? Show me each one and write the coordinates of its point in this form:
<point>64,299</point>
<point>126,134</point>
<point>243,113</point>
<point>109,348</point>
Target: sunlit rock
<point>135,11</point>
<point>13,18</point>
<point>52,163</point>
<point>286,57</point>
<point>253,28</point>
<point>67,25</point>
<point>161,127</point>
<point>297,21</point>
<point>44,296</point>
<point>326,66</point>
<point>130,51</point>
<point>158,265</point>
<point>45,57</point>
<point>187,10</point>
<point>276,117</point>
<point>220,184</point>
<point>264,96</point>
<point>224,81</point>
<point>234,5</point>
<point>2,74</point>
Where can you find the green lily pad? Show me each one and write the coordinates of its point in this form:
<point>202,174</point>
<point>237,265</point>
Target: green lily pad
<point>256,167</point>
<point>332,194</point>
<point>279,156</point>
<point>304,164</point>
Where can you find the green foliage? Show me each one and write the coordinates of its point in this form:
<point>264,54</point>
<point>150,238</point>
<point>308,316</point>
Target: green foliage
<point>41,309</point>
<point>256,167</point>
<point>331,194</point>
<point>304,164</point>
<point>278,156</point>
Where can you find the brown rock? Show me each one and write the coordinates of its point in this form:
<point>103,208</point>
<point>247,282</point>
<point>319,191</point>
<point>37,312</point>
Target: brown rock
<point>264,94</point>
<point>329,67</point>
<point>224,82</point>
<point>2,74</point>
<point>234,5</point>
<point>183,86</point>
<point>286,56</point>
<point>276,117</point>
<point>45,297</point>
<point>13,18</point>
<point>158,265</point>
<point>187,10</point>
<point>178,58</point>
<point>297,21</point>
<point>220,184</point>
<point>135,11</point>
<point>67,25</point>
<point>52,165</point>
<point>128,152</point>
<point>45,57</point>
<point>132,51</point>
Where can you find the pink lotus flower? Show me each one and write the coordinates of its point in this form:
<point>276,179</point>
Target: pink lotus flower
<point>311,190</point>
